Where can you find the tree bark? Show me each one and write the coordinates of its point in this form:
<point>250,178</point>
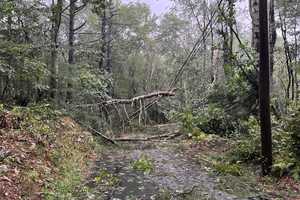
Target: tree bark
<point>71,57</point>
<point>288,58</point>
<point>108,64</point>
<point>103,38</point>
<point>264,89</point>
<point>254,13</point>
<point>272,29</point>
<point>296,60</point>
<point>56,21</point>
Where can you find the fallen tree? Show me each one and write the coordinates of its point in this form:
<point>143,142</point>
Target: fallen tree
<point>140,98</point>
<point>164,136</point>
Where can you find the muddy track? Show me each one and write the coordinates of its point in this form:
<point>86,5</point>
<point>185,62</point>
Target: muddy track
<point>174,175</point>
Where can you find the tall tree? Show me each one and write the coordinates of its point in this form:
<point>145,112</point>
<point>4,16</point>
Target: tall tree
<point>56,8</point>
<point>272,33</point>
<point>73,11</point>
<point>254,13</point>
<point>264,88</point>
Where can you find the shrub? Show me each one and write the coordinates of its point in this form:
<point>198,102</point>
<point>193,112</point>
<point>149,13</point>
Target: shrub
<point>247,149</point>
<point>227,168</point>
<point>143,164</point>
<point>211,120</point>
<point>106,178</point>
<point>214,120</point>
<point>293,127</point>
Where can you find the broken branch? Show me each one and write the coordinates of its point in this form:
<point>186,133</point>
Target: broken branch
<point>167,136</point>
<point>138,98</point>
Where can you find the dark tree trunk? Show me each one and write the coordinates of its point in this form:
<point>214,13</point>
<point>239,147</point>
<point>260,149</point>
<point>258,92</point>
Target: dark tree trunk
<point>103,38</point>
<point>109,39</point>
<point>264,89</point>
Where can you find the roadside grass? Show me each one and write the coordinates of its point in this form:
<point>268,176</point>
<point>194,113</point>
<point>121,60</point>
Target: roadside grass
<point>238,178</point>
<point>49,154</point>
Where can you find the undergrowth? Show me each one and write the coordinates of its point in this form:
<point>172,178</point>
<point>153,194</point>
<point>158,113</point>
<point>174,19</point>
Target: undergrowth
<point>106,178</point>
<point>143,164</point>
<point>245,137</point>
<point>58,155</point>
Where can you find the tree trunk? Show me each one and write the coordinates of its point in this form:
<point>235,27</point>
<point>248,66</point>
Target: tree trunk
<point>230,24</point>
<point>103,38</point>
<point>272,29</point>
<point>56,21</point>
<point>288,58</point>
<point>108,65</point>
<point>212,48</point>
<point>296,61</point>
<point>71,58</point>
<point>264,89</point>
<point>254,13</point>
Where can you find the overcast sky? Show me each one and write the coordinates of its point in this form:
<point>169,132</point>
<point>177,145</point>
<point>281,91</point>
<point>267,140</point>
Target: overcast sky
<point>158,7</point>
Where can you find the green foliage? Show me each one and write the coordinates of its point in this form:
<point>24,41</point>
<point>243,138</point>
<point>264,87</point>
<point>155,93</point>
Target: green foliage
<point>282,166</point>
<point>98,6</point>
<point>92,82</point>
<point>143,164</point>
<point>212,120</point>
<point>1,107</point>
<point>106,178</point>
<point>19,61</point>
<point>64,187</point>
<point>247,148</point>
<point>293,127</point>
<point>188,121</point>
<point>36,119</point>
<point>285,145</point>
<point>199,136</point>
<point>6,6</point>
<point>228,168</point>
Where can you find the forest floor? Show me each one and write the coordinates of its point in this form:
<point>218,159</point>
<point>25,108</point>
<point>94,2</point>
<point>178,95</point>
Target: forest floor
<point>175,169</point>
<point>57,159</point>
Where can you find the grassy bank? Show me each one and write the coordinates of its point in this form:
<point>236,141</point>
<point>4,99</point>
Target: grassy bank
<point>44,154</point>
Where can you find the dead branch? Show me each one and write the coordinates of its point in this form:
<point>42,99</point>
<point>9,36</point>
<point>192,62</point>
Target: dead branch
<point>157,94</point>
<point>97,133</point>
<point>166,136</point>
<point>138,98</point>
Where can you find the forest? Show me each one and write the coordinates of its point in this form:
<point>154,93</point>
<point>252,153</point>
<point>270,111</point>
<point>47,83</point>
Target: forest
<point>149,99</point>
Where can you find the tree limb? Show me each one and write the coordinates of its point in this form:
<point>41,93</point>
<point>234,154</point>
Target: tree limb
<point>167,136</point>
<point>138,98</point>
